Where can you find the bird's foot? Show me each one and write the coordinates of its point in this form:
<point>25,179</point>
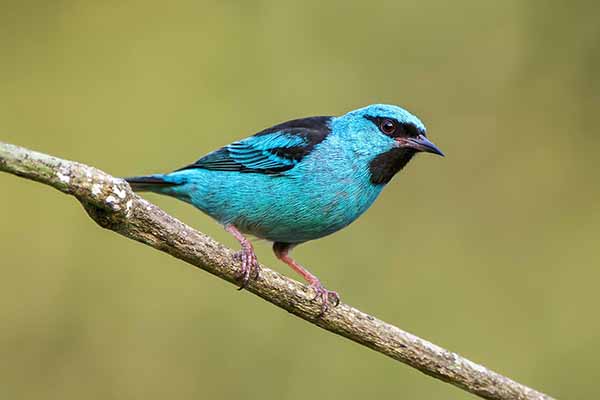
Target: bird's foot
<point>246,256</point>
<point>281,251</point>
<point>326,296</point>
<point>249,266</point>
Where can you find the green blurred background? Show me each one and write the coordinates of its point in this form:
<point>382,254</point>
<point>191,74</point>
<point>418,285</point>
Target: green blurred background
<point>491,252</point>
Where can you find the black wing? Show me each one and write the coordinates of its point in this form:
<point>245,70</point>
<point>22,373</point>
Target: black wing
<point>270,151</point>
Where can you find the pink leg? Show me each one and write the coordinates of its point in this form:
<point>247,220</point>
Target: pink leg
<point>281,251</point>
<point>246,256</point>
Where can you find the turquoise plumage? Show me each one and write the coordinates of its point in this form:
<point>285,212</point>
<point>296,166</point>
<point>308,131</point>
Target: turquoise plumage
<point>298,181</point>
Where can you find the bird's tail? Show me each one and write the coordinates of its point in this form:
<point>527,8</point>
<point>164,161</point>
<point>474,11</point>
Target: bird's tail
<point>150,183</point>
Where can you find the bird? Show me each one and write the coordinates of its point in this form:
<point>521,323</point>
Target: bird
<point>297,181</point>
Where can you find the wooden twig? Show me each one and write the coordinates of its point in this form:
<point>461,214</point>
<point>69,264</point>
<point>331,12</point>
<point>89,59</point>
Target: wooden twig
<point>113,205</point>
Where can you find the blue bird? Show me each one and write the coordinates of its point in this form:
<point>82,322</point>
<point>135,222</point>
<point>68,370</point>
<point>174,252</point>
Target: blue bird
<point>297,181</point>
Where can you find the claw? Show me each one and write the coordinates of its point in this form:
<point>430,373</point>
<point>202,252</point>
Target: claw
<point>249,263</point>
<point>281,251</point>
<point>325,295</point>
<point>249,268</point>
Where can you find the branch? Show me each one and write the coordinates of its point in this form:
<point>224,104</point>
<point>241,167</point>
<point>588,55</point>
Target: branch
<point>113,205</point>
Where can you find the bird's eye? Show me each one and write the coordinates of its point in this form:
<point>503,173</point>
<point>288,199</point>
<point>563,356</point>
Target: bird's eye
<point>387,126</point>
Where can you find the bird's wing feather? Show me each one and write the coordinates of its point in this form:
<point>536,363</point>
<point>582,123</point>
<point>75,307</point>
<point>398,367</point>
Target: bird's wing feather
<point>271,151</point>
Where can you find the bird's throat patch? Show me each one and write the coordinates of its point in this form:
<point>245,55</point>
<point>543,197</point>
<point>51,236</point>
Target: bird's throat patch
<point>384,166</point>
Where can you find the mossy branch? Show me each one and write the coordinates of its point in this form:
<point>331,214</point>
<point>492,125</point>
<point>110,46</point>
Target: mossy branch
<point>113,205</point>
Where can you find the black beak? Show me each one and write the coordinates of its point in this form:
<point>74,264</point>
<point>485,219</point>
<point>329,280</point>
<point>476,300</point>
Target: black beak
<point>421,143</point>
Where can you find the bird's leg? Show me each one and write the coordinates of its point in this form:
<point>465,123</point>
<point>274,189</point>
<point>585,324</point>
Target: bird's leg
<point>246,256</point>
<point>281,251</point>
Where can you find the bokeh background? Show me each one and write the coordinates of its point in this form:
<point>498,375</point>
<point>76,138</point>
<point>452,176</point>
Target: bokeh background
<point>491,252</point>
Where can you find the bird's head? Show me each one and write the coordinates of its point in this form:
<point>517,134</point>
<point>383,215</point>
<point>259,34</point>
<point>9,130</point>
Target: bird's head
<point>387,136</point>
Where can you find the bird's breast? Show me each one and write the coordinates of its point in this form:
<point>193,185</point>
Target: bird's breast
<point>323,197</point>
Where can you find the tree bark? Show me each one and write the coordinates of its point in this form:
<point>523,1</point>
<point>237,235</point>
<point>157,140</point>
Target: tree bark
<point>113,205</point>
